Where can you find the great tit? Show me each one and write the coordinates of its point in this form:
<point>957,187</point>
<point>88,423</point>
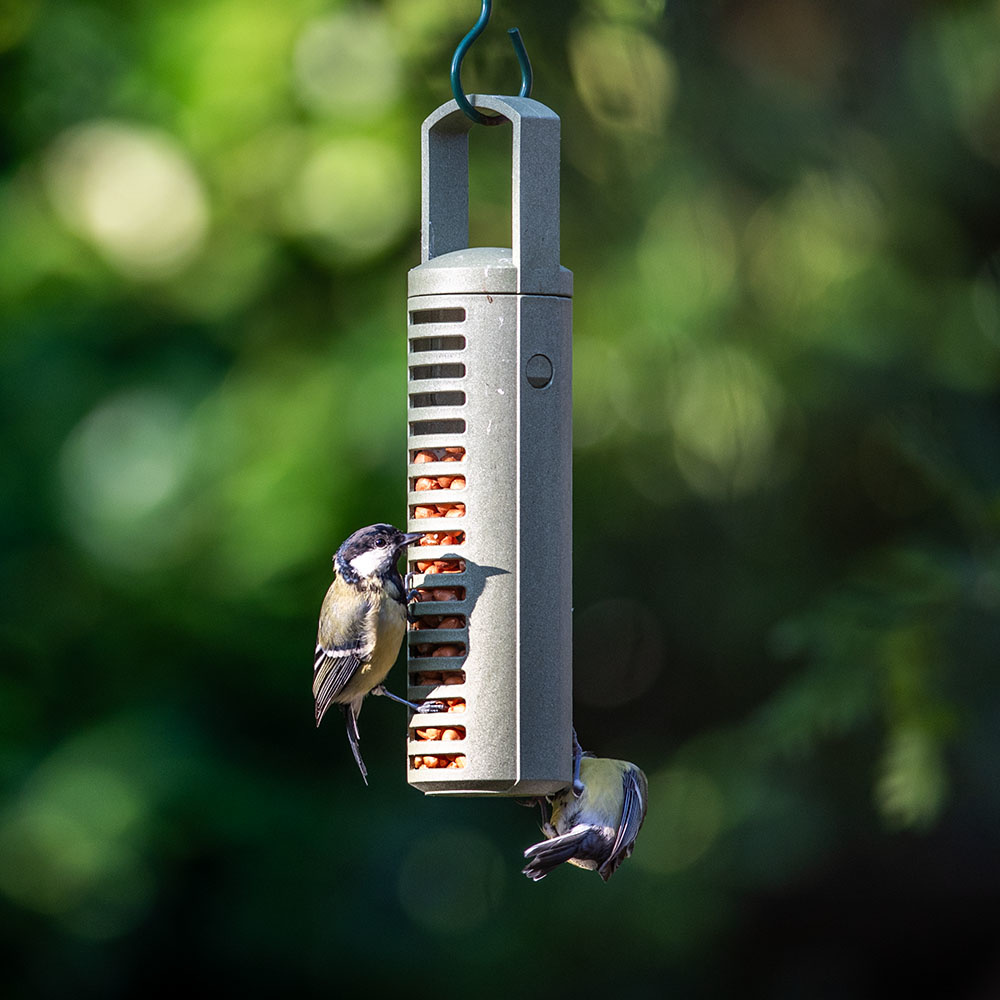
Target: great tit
<point>361,626</point>
<point>593,823</point>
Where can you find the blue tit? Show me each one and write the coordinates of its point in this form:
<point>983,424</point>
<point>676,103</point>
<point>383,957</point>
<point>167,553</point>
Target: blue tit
<point>361,626</point>
<point>594,822</point>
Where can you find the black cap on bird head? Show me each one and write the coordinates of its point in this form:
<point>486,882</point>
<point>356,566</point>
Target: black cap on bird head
<point>372,551</point>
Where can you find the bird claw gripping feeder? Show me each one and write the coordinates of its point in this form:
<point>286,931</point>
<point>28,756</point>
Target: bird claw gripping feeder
<point>490,466</point>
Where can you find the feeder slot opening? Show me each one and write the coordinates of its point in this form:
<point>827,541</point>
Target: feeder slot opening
<point>450,370</point>
<point>446,481</point>
<point>441,594</point>
<point>423,455</point>
<point>448,314</point>
<point>430,649</point>
<point>452,343</point>
<point>433,734</point>
<point>440,398</point>
<point>436,678</point>
<point>439,566</point>
<point>438,760</point>
<point>437,426</point>
<point>428,622</point>
<point>421,511</point>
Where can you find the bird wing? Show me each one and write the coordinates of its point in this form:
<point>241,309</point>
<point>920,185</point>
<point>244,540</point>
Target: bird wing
<point>341,648</point>
<point>633,813</point>
<point>332,671</point>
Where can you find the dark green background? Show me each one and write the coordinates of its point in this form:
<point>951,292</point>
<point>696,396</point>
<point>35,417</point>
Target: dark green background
<point>783,218</point>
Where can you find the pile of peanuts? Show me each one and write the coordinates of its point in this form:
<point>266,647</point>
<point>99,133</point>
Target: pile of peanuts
<point>441,565</point>
<point>425,622</point>
<point>439,760</point>
<point>441,455</point>
<point>429,678</point>
<point>420,511</point>
<point>441,594</point>
<point>430,622</point>
<point>442,481</point>
<point>446,733</point>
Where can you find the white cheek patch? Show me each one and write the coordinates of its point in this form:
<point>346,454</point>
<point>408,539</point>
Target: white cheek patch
<point>368,563</point>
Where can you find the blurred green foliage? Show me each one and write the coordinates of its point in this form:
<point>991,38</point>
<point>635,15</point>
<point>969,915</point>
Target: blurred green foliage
<point>783,218</point>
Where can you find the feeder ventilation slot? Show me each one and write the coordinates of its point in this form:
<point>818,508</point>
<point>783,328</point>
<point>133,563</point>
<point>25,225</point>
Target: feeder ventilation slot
<point>446,315</point>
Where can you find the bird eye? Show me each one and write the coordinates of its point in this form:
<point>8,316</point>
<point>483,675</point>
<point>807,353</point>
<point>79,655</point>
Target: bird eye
<point>380,541</point>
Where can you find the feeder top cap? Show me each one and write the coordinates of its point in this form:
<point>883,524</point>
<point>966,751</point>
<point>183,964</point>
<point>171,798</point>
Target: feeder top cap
<point>485,270</point>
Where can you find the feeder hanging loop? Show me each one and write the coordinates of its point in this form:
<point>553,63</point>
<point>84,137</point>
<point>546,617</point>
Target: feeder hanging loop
<point>456,68</point>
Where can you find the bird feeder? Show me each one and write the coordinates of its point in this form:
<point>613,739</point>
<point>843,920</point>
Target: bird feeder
<point>490,472</point>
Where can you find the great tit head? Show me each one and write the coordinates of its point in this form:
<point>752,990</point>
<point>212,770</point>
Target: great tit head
<point>371,551</point>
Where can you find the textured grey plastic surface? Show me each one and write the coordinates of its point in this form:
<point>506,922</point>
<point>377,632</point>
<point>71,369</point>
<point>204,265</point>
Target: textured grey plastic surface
<point>477,317</point>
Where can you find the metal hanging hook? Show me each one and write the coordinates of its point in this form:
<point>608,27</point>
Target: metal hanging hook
<point>456,67</point>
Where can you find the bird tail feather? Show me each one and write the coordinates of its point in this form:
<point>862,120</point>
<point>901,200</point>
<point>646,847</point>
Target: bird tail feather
<point>350,717</point>
<point>549,854</point>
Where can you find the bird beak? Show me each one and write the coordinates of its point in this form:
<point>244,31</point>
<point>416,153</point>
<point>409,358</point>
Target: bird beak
<point>410,538</point>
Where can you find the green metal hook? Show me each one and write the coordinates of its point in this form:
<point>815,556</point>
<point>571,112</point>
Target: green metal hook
<point>456,67</point>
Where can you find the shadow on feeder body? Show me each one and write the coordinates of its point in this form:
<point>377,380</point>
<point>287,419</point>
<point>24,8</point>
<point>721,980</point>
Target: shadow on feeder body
<point>422,604</point>
<point>472,580</point>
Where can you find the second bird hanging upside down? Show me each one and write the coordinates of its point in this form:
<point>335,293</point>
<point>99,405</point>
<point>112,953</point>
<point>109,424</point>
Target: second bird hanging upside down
<point>593,823</point>
<point>361,626</point>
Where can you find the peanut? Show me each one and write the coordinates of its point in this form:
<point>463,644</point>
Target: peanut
<point>452,622</point>
<point>458,483</point>
<point>424,456</point>
<point>452,734</point>
<point>429,734</point>
<point>439,760</point>
<point>422,511</point>
<point>447,650</point>
<point>426,622</point>
<point>453,677</point>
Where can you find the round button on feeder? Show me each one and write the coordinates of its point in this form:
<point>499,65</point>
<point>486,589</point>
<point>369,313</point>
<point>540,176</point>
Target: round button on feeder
<point>538,371</point>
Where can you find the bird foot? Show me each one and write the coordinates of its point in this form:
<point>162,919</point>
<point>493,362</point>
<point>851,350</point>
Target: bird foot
<point>424,707</point>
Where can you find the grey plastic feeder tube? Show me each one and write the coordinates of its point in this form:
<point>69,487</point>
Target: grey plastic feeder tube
<point>490,370</point>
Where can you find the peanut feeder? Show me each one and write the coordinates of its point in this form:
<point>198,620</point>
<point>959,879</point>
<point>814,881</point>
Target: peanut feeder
<point>490,472</point>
